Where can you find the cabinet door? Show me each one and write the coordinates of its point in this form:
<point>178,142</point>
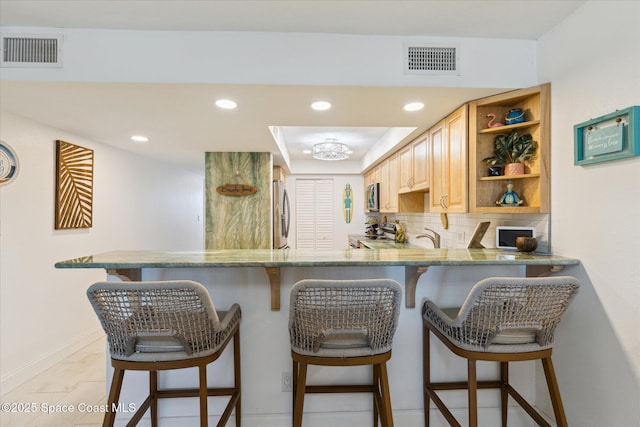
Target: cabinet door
<point>367,178</point>
<point>438,176</point>
<point>279,174</point>
<point>384,186</point>
<point>406,169</point>
<point>456,136</point>
<point>375,175</point>
<point>389,185</point>
<point>393,178</point>
<point>448,149</point>
<point>420,163</point>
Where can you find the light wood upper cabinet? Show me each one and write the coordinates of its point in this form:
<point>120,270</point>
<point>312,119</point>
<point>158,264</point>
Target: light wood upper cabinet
<point>279,173</point>
<point>533,185</point>
<point>406,169</point>
<point>447,160</point>
<point>414,165</point>
<point>420,150</point>
<point>389,184</point>
<point>449,166</point>
<point>387,174</point>
<point>372,176</point>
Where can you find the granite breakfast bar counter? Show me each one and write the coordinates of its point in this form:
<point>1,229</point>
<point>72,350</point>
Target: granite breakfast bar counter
<point>129,264</point>
<point>253,277</point>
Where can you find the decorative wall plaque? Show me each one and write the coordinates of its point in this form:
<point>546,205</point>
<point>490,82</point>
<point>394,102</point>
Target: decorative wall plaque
<point>74,186</point>
<point>8,164</point>
<point>610,137</point>
<point>236,190</point>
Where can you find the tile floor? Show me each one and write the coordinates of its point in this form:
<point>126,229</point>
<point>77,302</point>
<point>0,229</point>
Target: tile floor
<point>76,383</point>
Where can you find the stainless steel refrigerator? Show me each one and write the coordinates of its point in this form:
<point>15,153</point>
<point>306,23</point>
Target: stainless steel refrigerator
<point>281,215</point>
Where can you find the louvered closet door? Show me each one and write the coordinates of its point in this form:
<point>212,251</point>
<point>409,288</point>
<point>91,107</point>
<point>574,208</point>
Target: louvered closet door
<point>314,213</point>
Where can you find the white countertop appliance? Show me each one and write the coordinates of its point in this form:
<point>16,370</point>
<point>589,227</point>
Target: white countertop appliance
<point>506,236</point>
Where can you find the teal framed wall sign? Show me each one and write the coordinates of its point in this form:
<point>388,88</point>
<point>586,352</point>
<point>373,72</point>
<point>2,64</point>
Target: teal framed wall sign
<point>610,137</point>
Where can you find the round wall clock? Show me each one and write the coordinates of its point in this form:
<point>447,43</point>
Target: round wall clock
<point>8,164</point>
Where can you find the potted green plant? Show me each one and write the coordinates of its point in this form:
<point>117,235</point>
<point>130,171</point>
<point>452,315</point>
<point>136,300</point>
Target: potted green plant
<point>511,151</point>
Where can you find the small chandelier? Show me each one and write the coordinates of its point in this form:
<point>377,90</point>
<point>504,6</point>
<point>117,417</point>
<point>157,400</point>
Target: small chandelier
<point>331,149</point>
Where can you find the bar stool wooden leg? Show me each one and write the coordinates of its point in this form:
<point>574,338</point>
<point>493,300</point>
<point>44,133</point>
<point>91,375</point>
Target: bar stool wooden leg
<point>153,393</point>
<point>236,372</point>
<point>376,393</point>
<point>554,392</point>
<point>386,397</point>
<point>298,405</point>
<point>426,373</point>
<point>114,396</point>
<point>473,393</point>
<point>294,385</point>
<point>504,395</point>
<point>203,396</point>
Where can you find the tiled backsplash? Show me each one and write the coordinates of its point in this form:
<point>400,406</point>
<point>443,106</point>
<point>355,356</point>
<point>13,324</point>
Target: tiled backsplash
<point>461,227</point>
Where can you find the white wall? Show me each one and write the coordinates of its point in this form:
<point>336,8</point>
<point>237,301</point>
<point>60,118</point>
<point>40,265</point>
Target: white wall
<point>592,60</point>
<point>272,58</point>
<point>138,204</point>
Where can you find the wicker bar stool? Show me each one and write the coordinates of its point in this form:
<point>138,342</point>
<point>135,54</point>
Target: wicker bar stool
<point>157,326</point>
<point>502,320</point>
<point>344,323</point>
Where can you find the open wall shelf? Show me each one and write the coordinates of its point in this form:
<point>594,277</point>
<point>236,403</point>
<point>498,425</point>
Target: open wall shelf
<point>533,185</point>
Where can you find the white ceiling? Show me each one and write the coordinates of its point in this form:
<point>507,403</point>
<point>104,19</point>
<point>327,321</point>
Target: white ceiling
<point>178,117</point>
<point>514,19</point>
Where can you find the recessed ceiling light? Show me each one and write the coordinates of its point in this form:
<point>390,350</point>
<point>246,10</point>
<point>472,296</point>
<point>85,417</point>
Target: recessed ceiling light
<point>306,151</point>
<point>139,138</point>
<point>414,106</point>
<point>227,104</point>
<point>321,105</point>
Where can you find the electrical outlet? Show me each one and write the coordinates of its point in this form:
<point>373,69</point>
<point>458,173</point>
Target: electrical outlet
<point>460,236</point>
<point>285,381</point>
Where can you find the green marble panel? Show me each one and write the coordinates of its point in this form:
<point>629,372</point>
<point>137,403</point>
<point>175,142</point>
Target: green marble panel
<point>242,222</point>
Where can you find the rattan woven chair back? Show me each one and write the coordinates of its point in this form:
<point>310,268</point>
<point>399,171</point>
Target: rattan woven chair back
<point>507,314</point>
<point>343,318</point>
<point>164,325</point>
<point>344,323</point>
<point>503,319</point>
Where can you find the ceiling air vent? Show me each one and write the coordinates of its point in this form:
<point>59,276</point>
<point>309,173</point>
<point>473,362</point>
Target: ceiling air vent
<point>431,59</point>
<point>22,50</point>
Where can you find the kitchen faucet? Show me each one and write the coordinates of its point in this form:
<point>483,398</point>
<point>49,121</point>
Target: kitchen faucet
<point>435,238</point>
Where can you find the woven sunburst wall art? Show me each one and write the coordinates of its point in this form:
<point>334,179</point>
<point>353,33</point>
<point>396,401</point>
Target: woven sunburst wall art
<point>74,186</point>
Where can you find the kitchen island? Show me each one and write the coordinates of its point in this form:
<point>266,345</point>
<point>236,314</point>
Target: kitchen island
<point>445,276</point>
<point>129,264</point>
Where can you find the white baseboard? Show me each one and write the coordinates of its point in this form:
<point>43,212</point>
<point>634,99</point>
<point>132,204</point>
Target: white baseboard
<point>18,377</point>
<point>402,418</point>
